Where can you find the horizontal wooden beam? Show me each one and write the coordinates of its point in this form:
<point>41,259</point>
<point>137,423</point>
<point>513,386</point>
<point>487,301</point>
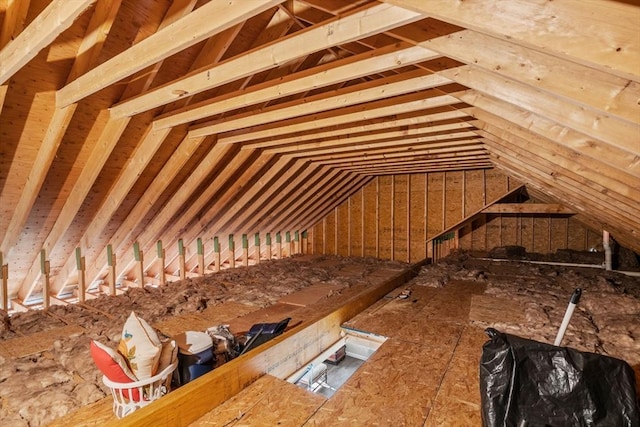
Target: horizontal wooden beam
<point>43,30</point>
<point>185,32</point>
<point>369,111</point>
<point>529,208</point>
<point>352,67</point>
<point>597,33</point>
<point>340,98</point>
<point>361,23</point>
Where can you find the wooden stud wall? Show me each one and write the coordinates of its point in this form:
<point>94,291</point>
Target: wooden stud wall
<point>393,217</point>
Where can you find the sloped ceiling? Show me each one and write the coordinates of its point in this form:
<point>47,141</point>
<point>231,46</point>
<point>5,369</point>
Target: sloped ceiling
<point>129,121</point>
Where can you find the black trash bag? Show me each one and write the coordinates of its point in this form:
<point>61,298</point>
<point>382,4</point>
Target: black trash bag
<point>533,384</point>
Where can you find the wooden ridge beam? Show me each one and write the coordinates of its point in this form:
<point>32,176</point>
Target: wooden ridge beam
<point>340,98</point>
<point>323,75</point>
<point>43,30</point>
<point>372,110</point>
<point>361,23</point>
<point>529,208</point>
<point>418,168</point>
<point>185,32</point>
<point>417,152</point>
<point>597,33</point>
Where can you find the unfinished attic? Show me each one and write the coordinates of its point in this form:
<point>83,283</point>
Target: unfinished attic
<point>408,172</point>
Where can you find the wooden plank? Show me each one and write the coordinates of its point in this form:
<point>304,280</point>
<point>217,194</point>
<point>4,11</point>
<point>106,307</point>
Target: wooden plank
<point>371,128</point>
<point>99,155</point>
<point>39,341</point>
<point>279,357</point>
<point>399,105</point>
<point>489,310</point>
<point>324,75</point>
<point>606,31</point>
<point>43,30</point>
<point>610,94</point>
<point>596,124</point>
<point>365,92</point>
<point>359,24</point>
<point>529,208</point>
<point>93,415</point>
<point>268,401</point>
<point>185,32</point>
<point>15,14</point>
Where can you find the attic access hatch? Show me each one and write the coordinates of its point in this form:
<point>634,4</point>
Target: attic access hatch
<point>328,371</point>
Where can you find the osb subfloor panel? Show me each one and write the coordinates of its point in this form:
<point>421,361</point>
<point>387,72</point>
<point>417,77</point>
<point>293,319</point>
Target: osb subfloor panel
<point>37,342</point>
<point>425,374</point>
<point>219,314</point>
<point>268,402</point>
<point>96,414</point>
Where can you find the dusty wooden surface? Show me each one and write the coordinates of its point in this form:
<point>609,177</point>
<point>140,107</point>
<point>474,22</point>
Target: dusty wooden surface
<point>426,373</point>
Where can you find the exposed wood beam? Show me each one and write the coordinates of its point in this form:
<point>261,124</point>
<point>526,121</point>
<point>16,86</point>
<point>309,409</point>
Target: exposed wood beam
<point>598,33</point>
<point>418,168</point>
<point>618,133</point>
<point>15,15</point>
<point>529,208</point>
<point>610,94</point>
<point>3,94</point>
<point>341,133</point>
<point>583,179</point>
<point>227,186</point>
<point>576,141</point>
<point>185,32</point>
<point>324,75</point>
<point>358,94</point>
<point>92,168</point>
<point>399,105</point>
<point>55,19</point>
<point>90,47</point>
<point>374,142</point>
<point>361,23</point>
<point>565,157</point>
<point>572,186</point>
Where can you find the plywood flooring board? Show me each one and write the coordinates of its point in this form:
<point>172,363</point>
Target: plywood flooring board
<point>311,294</point>
<point>487,310</point>
<point>211,316</point>
<point>458,400</point>
<point>396,386</point>
<point>93,415</point>
<point>269,401</point>
<point>39,341</point>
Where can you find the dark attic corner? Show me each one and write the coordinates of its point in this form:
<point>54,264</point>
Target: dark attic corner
<point>265,212</point>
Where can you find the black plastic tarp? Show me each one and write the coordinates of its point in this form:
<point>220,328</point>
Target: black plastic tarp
<point>529,383</point>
